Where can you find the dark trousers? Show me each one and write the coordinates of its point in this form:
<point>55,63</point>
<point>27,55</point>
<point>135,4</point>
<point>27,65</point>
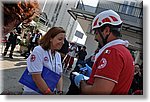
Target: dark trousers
<point>73,89</point>
<point>8,44</point>
<point>79,62</point>
<point>30,48</point>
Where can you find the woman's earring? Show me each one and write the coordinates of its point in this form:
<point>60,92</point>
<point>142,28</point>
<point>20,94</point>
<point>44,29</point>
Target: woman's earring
<point>50,40</point>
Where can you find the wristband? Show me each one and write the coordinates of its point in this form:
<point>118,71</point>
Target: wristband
<point>48,91</point>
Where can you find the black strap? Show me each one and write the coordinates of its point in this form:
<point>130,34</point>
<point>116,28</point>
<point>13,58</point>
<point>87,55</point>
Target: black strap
<point>103,39</point>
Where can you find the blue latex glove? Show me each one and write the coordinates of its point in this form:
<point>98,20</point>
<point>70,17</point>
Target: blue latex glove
<point>89,70</point>
<point>77,79</point>
<point>83,69</point>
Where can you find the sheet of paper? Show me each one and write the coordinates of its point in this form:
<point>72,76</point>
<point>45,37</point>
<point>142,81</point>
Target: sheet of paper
<point>76,73</point>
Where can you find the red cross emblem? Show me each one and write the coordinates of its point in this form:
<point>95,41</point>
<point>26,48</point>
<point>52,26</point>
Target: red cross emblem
<point>46,59</point>
<point>102,63</point>
<point>32,58</point>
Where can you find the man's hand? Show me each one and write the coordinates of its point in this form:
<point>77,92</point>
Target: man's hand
<point>89,70</point>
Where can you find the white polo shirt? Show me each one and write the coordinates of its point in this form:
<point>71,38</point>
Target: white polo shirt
<point>39,58</point>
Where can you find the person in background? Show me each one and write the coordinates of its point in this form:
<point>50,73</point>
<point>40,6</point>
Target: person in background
<point>69,59</point>
<point>12,41</point>
<point>137,83</point>
<point>90,60</point>
<point>33,41</point>
<point>46,54</point>
<point>113,68</point>
<point>81,55</point>
<point>64,50</point>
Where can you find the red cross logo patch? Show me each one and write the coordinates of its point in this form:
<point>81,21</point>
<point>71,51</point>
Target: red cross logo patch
<point>46,59</point>
<point>103,63</point>
<point>107,51</point>
<point>32,59</point>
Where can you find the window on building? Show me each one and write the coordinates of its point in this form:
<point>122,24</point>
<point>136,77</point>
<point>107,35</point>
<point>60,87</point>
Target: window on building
<point>42,21</point>
<point>130,8</point>
<point>124,8</point>
<point>141,13</point>
<point>52,19</point>
<point>57,5</point>
<point>60,6</point>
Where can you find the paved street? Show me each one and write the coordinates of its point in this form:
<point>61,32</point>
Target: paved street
<point>12,69</point>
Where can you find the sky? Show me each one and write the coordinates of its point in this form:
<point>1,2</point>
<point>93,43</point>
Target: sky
<point>76,39</point>
<point>90,2</point>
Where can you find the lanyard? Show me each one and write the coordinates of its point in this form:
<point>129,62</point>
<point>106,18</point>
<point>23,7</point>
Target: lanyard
<point>51,61</point>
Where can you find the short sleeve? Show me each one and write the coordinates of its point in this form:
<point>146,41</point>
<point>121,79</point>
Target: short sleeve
<point>110,65</point>
<point>35,61</point>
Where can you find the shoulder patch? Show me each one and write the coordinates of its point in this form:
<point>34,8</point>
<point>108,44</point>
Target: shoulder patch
<point>102,63</point>
<point>46,59</point>
<point>107,51</point>
<point>32,58</point>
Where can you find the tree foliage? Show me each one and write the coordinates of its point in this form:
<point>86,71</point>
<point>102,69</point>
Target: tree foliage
<point>15,13</point>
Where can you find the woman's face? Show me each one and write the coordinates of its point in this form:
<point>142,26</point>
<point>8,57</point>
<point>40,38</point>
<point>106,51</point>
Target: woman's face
<point>57,41</point>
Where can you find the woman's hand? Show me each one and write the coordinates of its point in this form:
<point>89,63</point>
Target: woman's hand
<point>41,84</point>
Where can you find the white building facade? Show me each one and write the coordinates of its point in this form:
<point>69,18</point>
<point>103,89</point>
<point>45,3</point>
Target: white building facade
<point>54,13</point>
